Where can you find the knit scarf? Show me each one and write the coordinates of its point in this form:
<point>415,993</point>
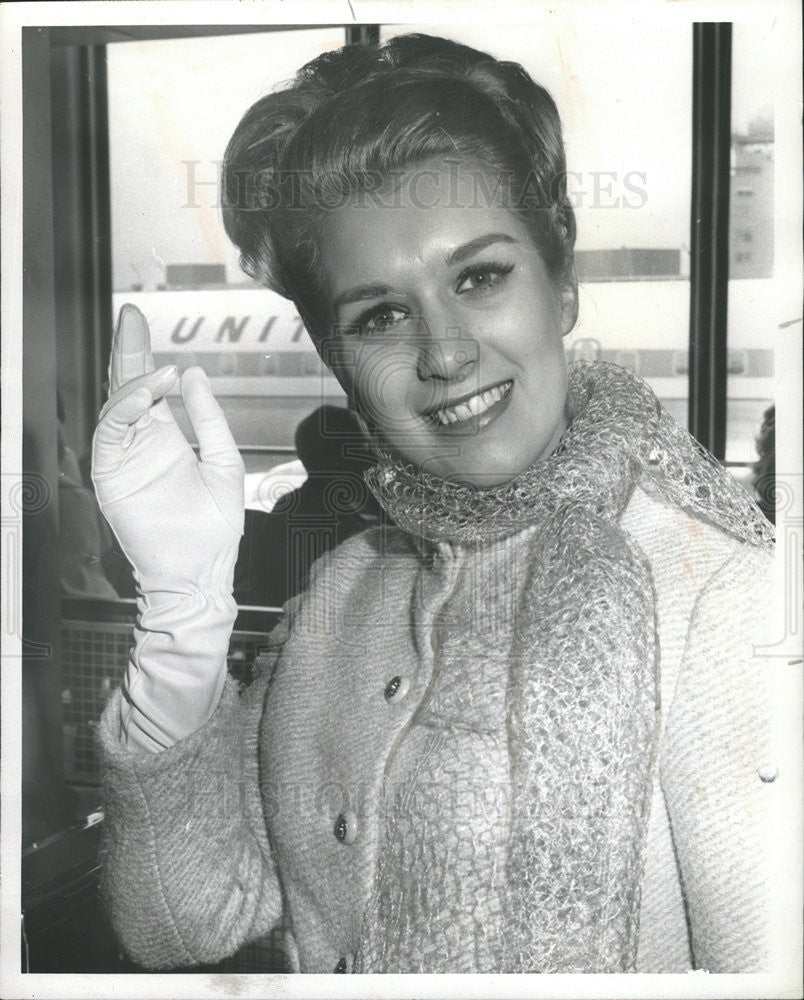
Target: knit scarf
<point>583,684</point>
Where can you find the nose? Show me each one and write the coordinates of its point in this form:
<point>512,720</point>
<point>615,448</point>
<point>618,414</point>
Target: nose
<point>446,353</point>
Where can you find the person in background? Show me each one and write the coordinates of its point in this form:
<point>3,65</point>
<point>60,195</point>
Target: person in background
<point>85,539</point>
<point>278,548</point>
<point>764,469</point>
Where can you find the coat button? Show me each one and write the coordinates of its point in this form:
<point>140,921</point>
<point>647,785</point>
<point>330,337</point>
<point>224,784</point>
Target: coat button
<point>396,689</point>
<point>341,966</point>
<point>346,827</point>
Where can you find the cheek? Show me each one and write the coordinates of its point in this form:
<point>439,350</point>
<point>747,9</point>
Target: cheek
<point>529,326</point>
<point>537,352</point>
<point>381,383</point>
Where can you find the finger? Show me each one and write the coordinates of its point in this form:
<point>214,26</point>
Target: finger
<point>127,410</point>
<point>131,348</point>
<point>215,442</point>
<point>157,382</point>
<point>115,431</point>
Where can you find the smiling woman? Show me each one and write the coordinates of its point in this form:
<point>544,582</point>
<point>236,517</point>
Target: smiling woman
<point>521,730</point>
<point>452,328</point>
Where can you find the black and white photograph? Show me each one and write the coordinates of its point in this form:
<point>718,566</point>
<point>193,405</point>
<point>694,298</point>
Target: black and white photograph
<point>402,574</point>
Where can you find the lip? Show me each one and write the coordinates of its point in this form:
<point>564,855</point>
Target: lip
<point>473,425</point>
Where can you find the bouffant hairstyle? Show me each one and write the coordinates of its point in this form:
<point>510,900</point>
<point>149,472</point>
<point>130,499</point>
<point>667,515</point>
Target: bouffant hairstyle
<point>354,117</point>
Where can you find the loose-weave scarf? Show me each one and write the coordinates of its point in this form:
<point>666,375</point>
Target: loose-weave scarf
<point>584,657</point>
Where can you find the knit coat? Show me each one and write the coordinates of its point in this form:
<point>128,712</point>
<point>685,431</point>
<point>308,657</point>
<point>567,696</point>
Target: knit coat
<point>278,803</point>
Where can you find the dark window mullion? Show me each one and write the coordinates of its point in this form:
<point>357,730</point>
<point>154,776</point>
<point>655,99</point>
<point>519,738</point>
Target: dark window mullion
<point>82,233</point>
<point>709,237</point>
<point>362,34</point>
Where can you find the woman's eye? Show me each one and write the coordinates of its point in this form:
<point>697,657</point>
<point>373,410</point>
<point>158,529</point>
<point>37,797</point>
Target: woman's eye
<point>380,320</point>
<point>479,277</point>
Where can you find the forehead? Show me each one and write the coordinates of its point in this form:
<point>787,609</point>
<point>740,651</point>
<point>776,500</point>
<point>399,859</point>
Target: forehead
<point>416,216</point>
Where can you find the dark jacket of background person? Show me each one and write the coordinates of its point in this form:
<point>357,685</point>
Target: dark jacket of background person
<point>278,548</point>
<point>90,560</point>
<point>765,468</point>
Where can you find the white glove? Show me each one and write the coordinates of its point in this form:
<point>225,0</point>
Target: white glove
<point>178,520</point>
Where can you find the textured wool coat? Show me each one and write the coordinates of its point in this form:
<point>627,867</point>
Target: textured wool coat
<point>277,802</point>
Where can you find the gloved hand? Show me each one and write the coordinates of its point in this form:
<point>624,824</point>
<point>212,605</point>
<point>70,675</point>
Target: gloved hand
<point>178,520</point>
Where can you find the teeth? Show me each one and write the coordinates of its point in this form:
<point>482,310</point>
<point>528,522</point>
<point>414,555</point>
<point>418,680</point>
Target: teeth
<point>476,404</point>
<point>473,407</point>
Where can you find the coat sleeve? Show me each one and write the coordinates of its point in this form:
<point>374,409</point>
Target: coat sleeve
<point>186,869</point>
<point>718,772</point>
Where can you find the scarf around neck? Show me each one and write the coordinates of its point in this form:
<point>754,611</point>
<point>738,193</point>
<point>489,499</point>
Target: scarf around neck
<point>582,694</point>
<point>618,434</point>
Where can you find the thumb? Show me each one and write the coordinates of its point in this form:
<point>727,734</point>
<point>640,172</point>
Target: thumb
<point>215,442</point>
<point>114,432</point>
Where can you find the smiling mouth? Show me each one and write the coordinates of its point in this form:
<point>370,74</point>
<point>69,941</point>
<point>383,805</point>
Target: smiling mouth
<point>471,407</point>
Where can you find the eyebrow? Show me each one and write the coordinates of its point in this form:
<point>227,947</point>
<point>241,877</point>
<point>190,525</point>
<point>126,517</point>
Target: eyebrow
<point>361,293</point>
<point>467,250</point>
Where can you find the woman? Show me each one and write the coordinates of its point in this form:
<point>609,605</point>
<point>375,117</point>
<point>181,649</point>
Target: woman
<point>521,732</point>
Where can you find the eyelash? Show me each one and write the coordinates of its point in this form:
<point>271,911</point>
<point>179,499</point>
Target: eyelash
<point>361,323</point>
<point>363,320</point>
<point>489,267</point>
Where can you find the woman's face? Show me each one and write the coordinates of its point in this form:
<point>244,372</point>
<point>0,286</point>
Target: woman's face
<point>447,330</point>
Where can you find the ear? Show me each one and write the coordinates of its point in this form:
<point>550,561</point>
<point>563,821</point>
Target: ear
<point>567,289</point>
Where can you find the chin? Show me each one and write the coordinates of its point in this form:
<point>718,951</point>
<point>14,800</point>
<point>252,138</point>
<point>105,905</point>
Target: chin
<point>479,479</point>
<point>497,473</point>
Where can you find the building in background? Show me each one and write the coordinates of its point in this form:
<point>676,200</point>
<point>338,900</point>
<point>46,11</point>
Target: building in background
<point>632,263</point>
<point>184,276</point>
<point>751,253</point>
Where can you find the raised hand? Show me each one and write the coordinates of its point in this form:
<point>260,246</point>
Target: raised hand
<point>178,518</point>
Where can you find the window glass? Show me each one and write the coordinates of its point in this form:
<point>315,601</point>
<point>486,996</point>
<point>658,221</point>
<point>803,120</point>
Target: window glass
<point>751,258</point>
<point>626,111</point>
<point>173,105</point>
